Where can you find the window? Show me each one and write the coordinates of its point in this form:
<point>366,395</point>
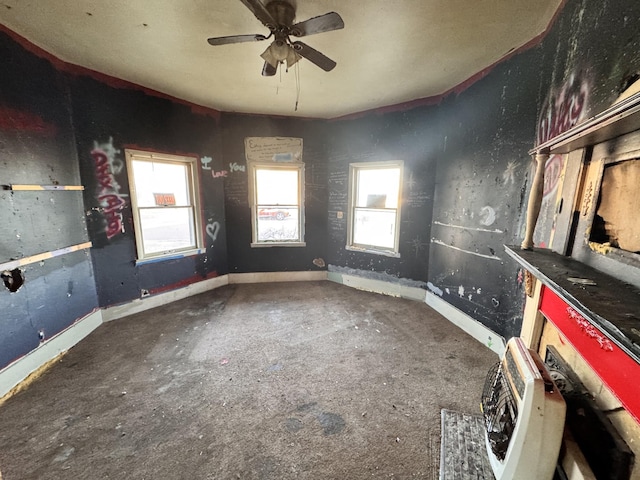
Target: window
<point>277,210</point>
<point>374,207</point>
<point>164,199</point>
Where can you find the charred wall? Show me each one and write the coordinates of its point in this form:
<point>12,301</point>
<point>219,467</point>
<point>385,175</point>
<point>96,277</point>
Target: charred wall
<point>243,258</point>
<point>469,156</point>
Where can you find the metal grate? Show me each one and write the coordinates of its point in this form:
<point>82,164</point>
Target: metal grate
<point>500,411</point>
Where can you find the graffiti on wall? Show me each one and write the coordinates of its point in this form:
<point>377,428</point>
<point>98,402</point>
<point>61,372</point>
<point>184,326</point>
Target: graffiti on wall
<point>108,164</point>
<point>205,161</point>
<point>563,109</point>
<point>213,229</point>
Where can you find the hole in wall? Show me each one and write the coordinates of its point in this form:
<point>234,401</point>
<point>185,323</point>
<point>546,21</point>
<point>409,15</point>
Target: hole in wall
<point>13,279</point>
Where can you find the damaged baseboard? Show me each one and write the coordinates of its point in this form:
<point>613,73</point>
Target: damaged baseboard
<point>477,330</point>
<point>14,375</point>
<point>141,304</point>
<point>378,286</point>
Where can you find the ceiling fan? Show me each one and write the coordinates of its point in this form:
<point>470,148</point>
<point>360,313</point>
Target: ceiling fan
<point>278,16</point>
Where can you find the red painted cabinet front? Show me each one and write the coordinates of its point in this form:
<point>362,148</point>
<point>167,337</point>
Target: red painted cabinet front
<point>618,371</point>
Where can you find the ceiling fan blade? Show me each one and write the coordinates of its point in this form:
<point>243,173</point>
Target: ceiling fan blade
<point>268,70</point>
<point>314,56</point>
<point>236,39</point>
<point>323,23</point>
<point>261,12</point>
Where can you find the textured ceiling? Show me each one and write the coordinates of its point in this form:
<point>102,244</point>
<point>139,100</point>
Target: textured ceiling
<point>389,52</point>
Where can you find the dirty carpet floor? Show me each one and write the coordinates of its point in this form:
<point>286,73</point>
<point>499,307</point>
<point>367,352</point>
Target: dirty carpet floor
<point>281,381</point>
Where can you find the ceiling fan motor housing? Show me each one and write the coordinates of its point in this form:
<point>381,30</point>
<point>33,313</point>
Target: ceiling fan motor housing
<point>282,12</point>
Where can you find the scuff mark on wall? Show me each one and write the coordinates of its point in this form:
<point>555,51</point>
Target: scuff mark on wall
<point>107,165</point>
<point>477,254</point>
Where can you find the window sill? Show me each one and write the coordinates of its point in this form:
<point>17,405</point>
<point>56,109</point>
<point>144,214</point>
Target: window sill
<point>278,244</point>
<point>169,256</point>
<point>386,253</point>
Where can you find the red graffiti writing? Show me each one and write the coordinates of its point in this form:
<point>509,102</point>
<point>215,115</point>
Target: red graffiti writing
<point>16,120</point>
<point>562,110</point>
<point>221,173</point>
<point>109,196</point>
<point>552,171</point>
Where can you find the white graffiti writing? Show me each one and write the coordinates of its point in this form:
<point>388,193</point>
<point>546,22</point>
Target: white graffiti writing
<point>212,230</point>
<point>509,173</point>
<point>234,167</point>
<point>205,161</point>
<point>107,165</point>
<point>487,216</point>
<point>590,330</point>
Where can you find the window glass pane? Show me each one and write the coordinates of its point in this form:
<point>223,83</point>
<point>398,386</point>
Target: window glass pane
<point>378,188</point>
<point>159,183</point>
<point>374,227</point>
<point>276,187</point>
<point>167,229</point>
<point>277,224</point>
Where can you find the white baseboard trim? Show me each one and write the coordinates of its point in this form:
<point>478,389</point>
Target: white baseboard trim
<point>16,372</point>
<point>19,370</point>
<point>378,286</point>
<point>477,330</point>
<point>474,328</point>
<point>265,277</point>
<point>146,303</point>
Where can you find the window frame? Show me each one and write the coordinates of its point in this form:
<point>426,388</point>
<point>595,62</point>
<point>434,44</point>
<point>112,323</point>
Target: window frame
<point>354,168</point>
<point>253,189</point>
<point>193,195</point>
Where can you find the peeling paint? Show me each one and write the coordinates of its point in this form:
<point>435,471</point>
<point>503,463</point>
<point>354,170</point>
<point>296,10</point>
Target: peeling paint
<point>436,290</point>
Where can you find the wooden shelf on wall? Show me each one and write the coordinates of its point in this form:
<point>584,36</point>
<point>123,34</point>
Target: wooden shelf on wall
<point>15,187</point>
<point>43,256</point>
<point>619,119</point>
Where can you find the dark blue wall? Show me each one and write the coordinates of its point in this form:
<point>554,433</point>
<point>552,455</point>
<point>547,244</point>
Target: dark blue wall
<point>111,119</point>
<point>37,146</point>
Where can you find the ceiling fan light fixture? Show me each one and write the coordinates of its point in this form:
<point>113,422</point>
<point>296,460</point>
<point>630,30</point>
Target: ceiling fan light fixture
<point>278,16</point>
<point>277,53</point>
<point>292,58</point>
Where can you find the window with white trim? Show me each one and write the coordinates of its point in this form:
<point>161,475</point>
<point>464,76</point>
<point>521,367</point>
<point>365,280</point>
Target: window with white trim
<point>165,204</point>
<point>374,207</point>
<point>277,206</point>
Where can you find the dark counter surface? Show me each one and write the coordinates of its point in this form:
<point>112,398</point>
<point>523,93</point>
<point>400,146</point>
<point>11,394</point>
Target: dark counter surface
<point>608,303</point>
